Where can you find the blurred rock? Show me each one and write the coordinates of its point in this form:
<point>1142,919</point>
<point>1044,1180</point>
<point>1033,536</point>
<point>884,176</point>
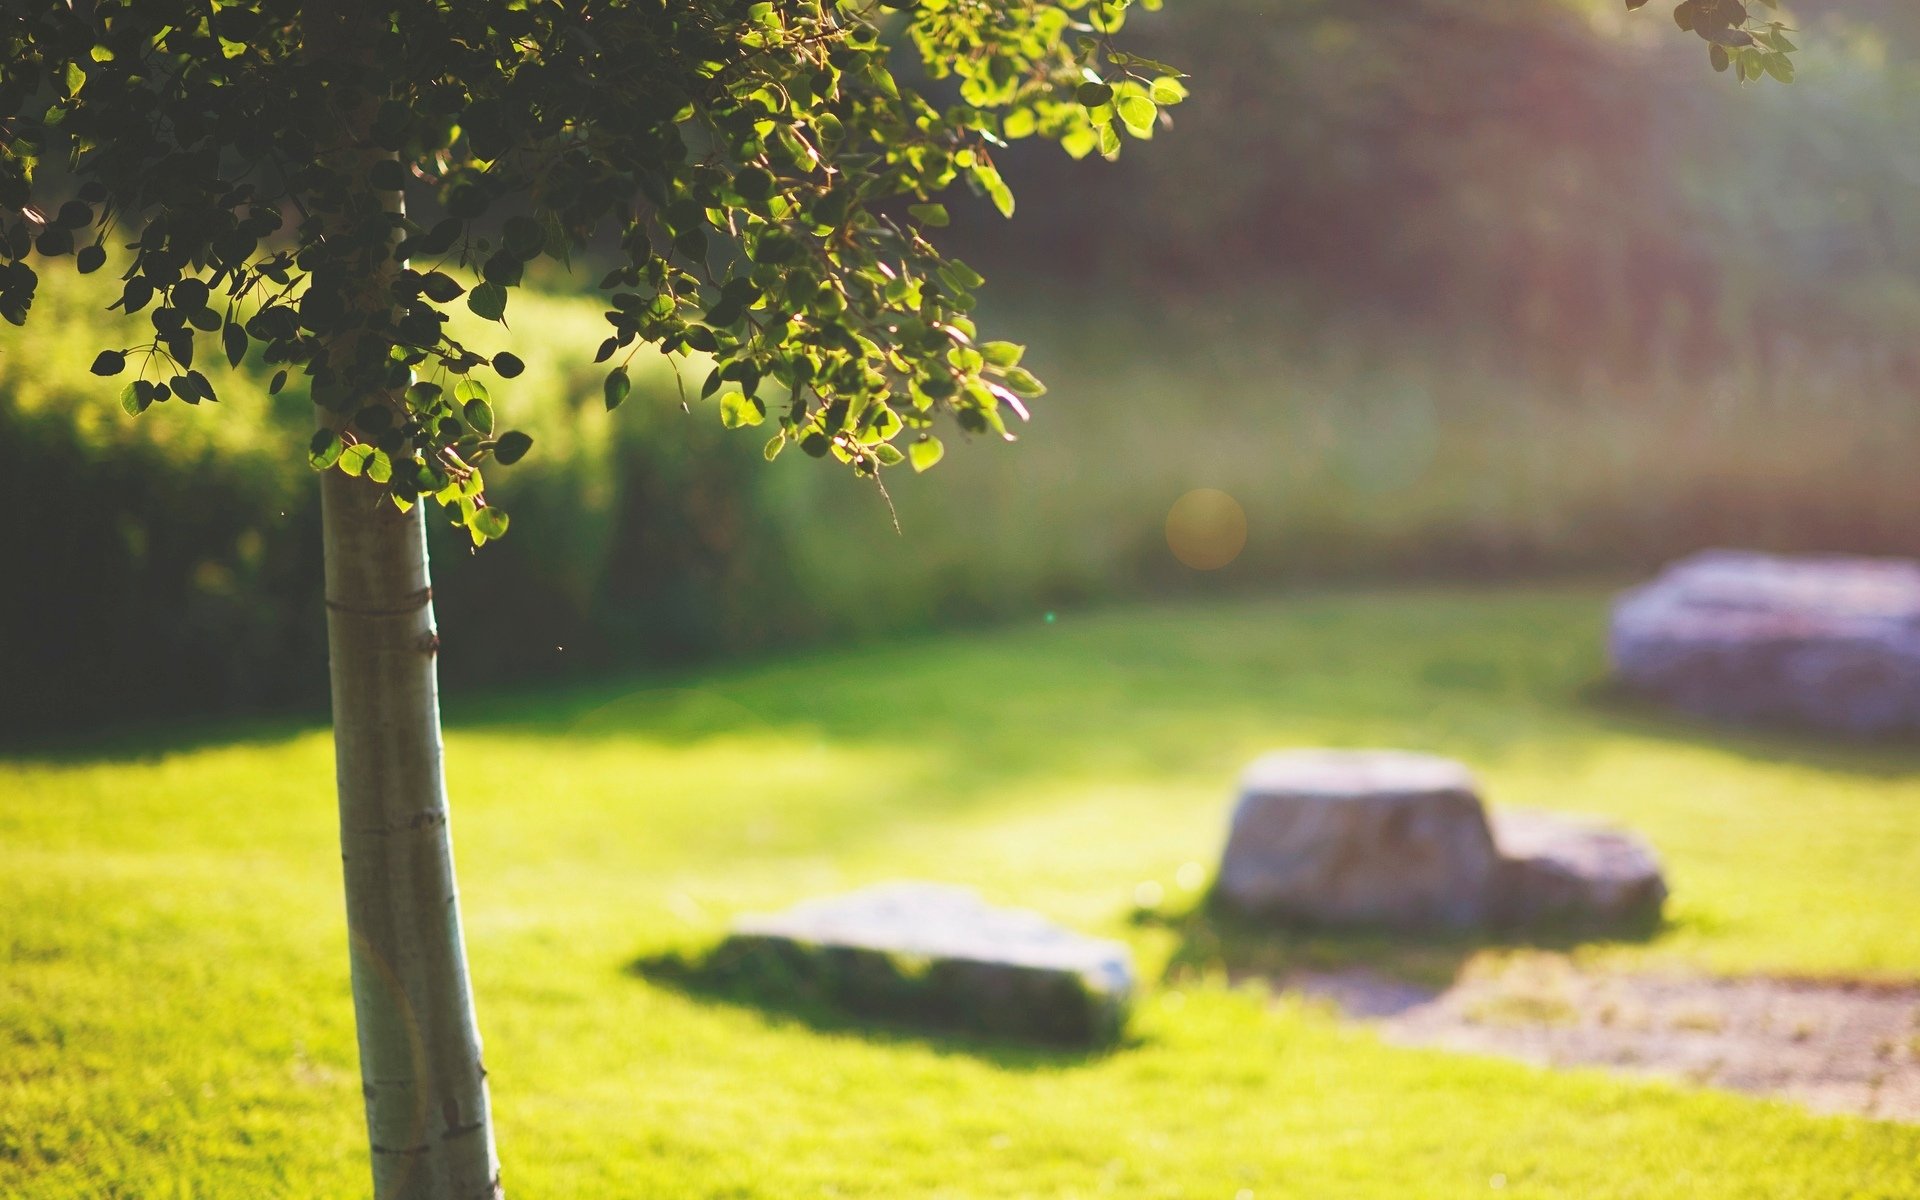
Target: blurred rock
<point>936,954</point>
<point>1828,642</point>
<point>1563,870</point>
<point>1389,838</point>
<point>1372,837</point>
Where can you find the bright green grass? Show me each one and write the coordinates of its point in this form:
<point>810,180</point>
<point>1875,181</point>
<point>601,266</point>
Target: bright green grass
<point>174,1018</point>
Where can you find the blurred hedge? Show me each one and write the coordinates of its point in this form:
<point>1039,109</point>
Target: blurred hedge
<point>170,562</point>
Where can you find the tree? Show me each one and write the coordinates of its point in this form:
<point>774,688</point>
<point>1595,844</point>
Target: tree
<point>316,184</point>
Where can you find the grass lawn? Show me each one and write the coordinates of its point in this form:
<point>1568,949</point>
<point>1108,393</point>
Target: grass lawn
<point>174,1014</point>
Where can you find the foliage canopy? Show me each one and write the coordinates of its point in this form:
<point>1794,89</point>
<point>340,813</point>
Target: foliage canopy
<point>1738,39</point>
<point>761,175</point>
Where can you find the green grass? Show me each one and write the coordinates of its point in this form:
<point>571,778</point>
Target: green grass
<point>174,1017</point>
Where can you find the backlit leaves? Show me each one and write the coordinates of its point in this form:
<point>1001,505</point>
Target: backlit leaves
<point>754,183</point>
<point>1739,40</point>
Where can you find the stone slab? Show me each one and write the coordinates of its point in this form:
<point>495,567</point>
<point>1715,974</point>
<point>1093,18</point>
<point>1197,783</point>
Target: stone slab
<point>1359,837</point>
<point>1823,641</point>
<point>938,954</point>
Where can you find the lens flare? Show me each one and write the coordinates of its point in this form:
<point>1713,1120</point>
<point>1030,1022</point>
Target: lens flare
<point>1206,529</point>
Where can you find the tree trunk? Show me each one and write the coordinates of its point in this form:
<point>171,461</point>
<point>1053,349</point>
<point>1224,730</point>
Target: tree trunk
<point>420,1068</point>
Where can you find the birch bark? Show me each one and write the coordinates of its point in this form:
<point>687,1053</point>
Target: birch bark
<point>421,1073</point>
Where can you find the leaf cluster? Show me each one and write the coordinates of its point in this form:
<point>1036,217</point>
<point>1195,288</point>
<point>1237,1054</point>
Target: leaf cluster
<point>1738,40</point>
<point>318,185</point>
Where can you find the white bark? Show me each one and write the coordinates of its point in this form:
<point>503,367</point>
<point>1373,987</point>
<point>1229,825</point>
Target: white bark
<point>420,1066</point>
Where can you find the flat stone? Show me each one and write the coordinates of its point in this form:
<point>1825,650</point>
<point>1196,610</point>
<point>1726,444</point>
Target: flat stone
<point>939,954</point>
<point>1367,837</point>
<point>1558,869</point>
<point>1828,642</point>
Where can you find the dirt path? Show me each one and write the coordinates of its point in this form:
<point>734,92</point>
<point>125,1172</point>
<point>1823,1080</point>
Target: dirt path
<point>1834,1047</point>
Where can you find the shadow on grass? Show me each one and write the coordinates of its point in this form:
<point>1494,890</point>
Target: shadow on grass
<point>152,738</point>
<point>1622,710</point>
<point>1212,939</point>
<point>1039,1025</point>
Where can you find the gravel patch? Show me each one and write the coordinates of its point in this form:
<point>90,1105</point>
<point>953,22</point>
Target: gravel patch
<point>1834,1047</point>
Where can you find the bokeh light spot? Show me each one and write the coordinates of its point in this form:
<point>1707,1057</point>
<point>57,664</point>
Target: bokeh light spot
<point>1206,529</point>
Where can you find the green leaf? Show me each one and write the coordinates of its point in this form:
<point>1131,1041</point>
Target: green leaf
<point>324,450</point>
<point>774,446</point>
<point>1002,354</point>
<point>739,410</point>
<point>617,387</point>
<point>1779,66</point>
<point>491,522</point>
<point>488,301</point>
<point>511,448</point>
<point>1137,113</point>
<point>887,455</point>
<point>479,415</point>
<point>470,389</point>
<point>353,460</point>
<point>440,287</point>
<point>995,187</point>
<point>379,467</point>
<point>1092,95</point>
<point>960,276</point>
<point>925,452</point>
<point>753,184</point>
<point>1168,90</point>
<point>133,398</point>
<point>934,215</point>
<point>508,365</point>
<point>523,237</point>
<point>234,339</point>
<point>109,362</point>
<point>1022,381</point>
<point>502,268</point>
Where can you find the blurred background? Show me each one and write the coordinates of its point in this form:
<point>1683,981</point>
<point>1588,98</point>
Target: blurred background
<point>1426,288</point>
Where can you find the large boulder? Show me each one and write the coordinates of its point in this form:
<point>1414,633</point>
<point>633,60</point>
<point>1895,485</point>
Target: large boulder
<point>1564,870</point>
<point>1828,642</point>
<point>1389,838</point>
<point>1369,837</point>
<point>936,954</point>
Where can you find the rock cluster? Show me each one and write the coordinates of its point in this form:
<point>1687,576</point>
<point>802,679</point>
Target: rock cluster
<point>1388,838</point>
<point>1832,643</point>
